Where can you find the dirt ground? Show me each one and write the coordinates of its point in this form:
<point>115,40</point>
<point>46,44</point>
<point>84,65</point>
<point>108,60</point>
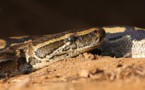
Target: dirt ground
<point>84,72</point>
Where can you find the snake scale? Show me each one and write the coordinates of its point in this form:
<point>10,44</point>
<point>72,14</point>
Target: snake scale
<point>20,55</point>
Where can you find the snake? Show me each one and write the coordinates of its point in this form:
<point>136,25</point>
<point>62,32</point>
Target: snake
<point>24,54</point>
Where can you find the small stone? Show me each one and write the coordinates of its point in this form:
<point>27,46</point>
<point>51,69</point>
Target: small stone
<point>89,56</point>
<point>22,83</point>
<point>84,73</point>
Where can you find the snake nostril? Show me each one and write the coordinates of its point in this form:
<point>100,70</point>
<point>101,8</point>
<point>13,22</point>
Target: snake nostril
<point>95,31</point>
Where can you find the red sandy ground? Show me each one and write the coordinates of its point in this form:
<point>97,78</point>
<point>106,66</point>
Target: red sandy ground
<point>84,72</point>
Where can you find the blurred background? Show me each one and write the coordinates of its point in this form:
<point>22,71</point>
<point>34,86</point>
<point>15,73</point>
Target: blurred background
<point>36,17</point>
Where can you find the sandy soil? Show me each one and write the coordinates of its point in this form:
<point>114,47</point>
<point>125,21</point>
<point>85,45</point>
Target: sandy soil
<point>84,72</point>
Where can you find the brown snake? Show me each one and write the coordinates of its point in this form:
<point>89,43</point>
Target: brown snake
<point>20,55</point>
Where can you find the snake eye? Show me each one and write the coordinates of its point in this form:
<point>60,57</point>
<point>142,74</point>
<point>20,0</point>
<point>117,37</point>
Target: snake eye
<point>72,38</point>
